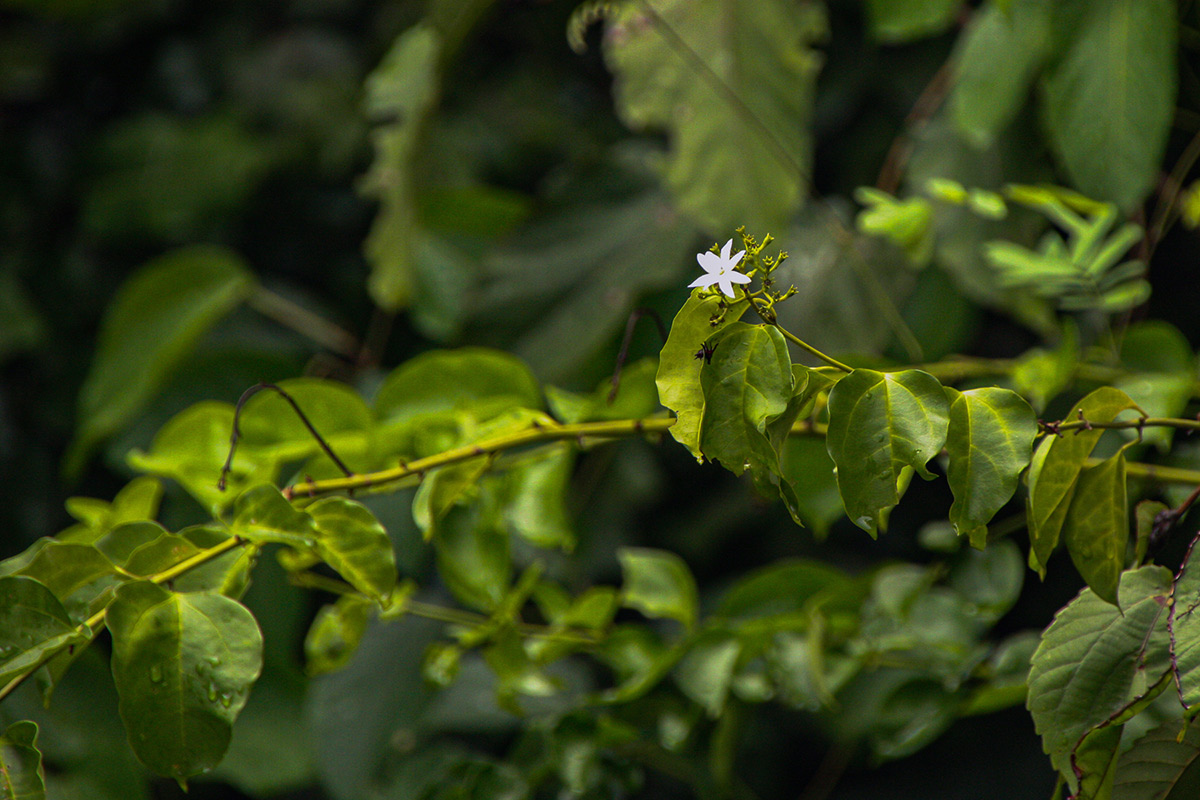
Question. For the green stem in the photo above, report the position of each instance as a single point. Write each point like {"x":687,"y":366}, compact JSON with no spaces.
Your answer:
{"x":93,"y":622}
{"x":305,"y":322}
{"x":803,"y":345}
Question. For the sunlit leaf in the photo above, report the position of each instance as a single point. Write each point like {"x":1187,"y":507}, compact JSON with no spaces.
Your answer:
{"x":678,"y":376}
{"x":658,"y":584}
{"x":351,"y":540}
{"x":262,"y":514}
{"x":183,"y":664}
{"x":990,"y":442}
{"x":1055,"y":468}
{"x":880,"y":423}
{"x":149,"y":328}
{"x":1096,"y":659}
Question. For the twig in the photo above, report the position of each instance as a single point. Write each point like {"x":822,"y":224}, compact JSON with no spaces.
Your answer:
{"x":236,"y":434}
{"x":303,"y":321}
{"x":637,"y":314}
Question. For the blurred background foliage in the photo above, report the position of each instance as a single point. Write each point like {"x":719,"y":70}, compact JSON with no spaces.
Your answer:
{"x":329,"y":187}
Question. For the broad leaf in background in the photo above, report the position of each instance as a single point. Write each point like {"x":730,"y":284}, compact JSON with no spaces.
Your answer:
{"x":990,"y":441}
{"x":1121,"y":59}
{"x":473,"y":551}
{"x":183,"y":664}
{"x":997,"y":61}
{"x":1055,"y":467}
{"x":897,"y":21}
{"x":21,"y":776}
{"x":1164,"y":375}
{"x":747,"y":384}
{"x":1162,"y":765}
{"x":401,"y":94}
{"x":335,"y":634}
{"x":658,"y":584}
{"x":1096,"y":530}
{"x":678,"y":376}
{"x":880,"y":423}
{"x":715,"y":73}
{"x":1096,"y":660}
{"x":137,"y":500}
{"x":636,"y":398}
{"x":151,"y":325}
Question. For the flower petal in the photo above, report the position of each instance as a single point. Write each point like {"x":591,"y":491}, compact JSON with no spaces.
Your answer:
{"x":725,"y":250}
{"x":737,"y":277}
{"x":709,"y":262}
{"x":733,"y":262}
{"x":726,"y":285}
{"x":704,"y":281}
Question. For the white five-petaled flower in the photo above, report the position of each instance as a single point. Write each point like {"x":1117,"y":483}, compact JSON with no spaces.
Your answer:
{"x":719,"y":269}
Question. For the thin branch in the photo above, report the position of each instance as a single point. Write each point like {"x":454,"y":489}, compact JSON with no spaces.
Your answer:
{"x":300,"y":319}
{"x":1170,"y":193}
{"x":637,"y":314}
{"x":236,"y":434}
{"x":927,"y":103}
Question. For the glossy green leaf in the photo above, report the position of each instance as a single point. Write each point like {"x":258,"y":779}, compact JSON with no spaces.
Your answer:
{"x":905,"y":20}
{"x":151,"y":325}
{"x":658,"y":584}
{"x":989,"y":442}
{"x":191,"y":448}
{"x":1096,"y":529}
{"x":473,"y":554}
{"x":76,"y":574}
{"x":1096,"y":660}
{"x":335,"y":634}
{"x":137,"y":500}
{"x":443,"y":489}
{"x":1185,"y":630}
{"x":755,"y":51}
{"x":997,"y":61}
{"x":401,"y":96}
{"x":183,"y":664}
{"x":536,"y":499}
{"x":1054,"y":471}
{"x":1122,"y":59}
{"x":262,"y":514}
{"x":272,"y":431}
{"x":351,"y":540}
{"x":747,"y":384}
{"x":445,"y":380}
{"x":1162,"y":765}
{"x":21,"y":776}
{"x":33,"y":624}
{"x":880,"y":423}
{"x":678,"y":376}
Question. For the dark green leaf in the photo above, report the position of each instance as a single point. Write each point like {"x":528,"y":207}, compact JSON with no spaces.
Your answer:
{"x":183,"y":664}
{"x":754,"y":52}
{"x":880,"y":423}
{"x":658,"y":584}
{"x":1144,"y":514}
{"x":1055,"y":469}
{"x":1096,"y":529}
{"x":76,"y":574}
{"x":33,"y":625}
{"x":152,"y":324}
{"x":401,"y":95}
{"x":1185,"y":630}
{"x":747,"y":385}
{"x":1095,"y":761}
{"x":807,"y":468}
{"x":991,"y":579}
{"x":351,"y":540}
{"x":1162,"y":765}
{"x":678,"y":376}
{"x":1096,"y":660}
{"x":21,"y":776}
{"x":1121,"y":59}
{"x":990,"y":442}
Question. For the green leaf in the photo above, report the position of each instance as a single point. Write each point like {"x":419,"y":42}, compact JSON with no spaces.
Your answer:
{"x":137,"y":500}
{"x":805,"y":465}
{"x":897,"y":21}
{"x":33,"y":624}
{"x":1095,"y":761}
{"x":1039,"y":375}
{"x":678,"y":66}
{"x":183,"y":664}
{"x":990,"y":579}
{"x":21,"y":776}
{"x":997,"y":60}
{"x":262,"y":514}
{"x":1184,"y":624}
{"x":443,"y":489}
{"x":990,"y":442}
{"x":637,"y":397}
{"x":1144,"y":514}
{"x":473,"y":553}
{"x":1121,"y":59}
{"x":150,"y":327}
{"x":747,"y":384}
{"x":880,"y":423}
{"x":401,"y":96}
{"x":536,"y":499}
{"x":1096,"y":529}
{"x":658,"y":584}
{"x":352,"y":541}
{"x":1096,"y":660}
{"x":1054,"y":471}
{"x":678,"y":376}
{"x":77,"y":574}
{"x":272,"y":431}
{"x":706,"y":672}
{"x":1162,"y":765}
{"x":335,"y":634}
{"x":786,"y":587}
{"x":449,"y":380}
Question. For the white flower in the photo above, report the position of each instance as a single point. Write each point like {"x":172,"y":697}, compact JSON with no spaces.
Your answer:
{"x":720,"y":270}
